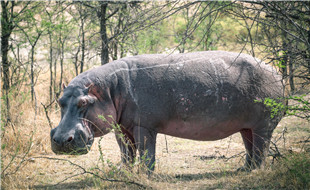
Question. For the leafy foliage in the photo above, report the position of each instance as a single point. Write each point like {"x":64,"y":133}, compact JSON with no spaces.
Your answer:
{"x":299,"y":106}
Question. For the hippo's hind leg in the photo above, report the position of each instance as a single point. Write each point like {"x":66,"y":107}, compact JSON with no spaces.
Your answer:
{"x":257,"y":144}
{"x":261,"y":141}
{"x":146,"y":141}
{"x":247,"y":136}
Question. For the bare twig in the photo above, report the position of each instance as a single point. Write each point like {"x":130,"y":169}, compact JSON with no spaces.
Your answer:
{"x":304,"y":142}
{"x":235,"y":156}
{"x":221,"y":156}
{"x":166,"y":143}
{"x":46,"y":112}
{"x":276,"y":153}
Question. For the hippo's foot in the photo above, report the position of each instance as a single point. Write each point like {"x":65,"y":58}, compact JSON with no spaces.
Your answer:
{"x":244,"y":169}
{"x":124,"y":167}
{"x":145,"y":170}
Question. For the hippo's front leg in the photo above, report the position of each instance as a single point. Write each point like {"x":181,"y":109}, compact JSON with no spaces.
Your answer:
{"x":146,"y":143}
{"x":127,"y":147}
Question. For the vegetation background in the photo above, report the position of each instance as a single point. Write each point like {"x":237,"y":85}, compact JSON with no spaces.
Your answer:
{"x":45,"y":44}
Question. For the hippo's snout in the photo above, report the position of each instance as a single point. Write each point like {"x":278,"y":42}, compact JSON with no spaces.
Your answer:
{"x":74,"y":142}
{"x":62,"y":141}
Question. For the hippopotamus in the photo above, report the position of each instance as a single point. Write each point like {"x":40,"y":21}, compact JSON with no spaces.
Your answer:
{"x":202,"y":96}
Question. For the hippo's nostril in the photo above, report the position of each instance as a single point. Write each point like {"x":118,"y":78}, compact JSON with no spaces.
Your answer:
{"x":56,"y":140}
{"x":70,"y":139}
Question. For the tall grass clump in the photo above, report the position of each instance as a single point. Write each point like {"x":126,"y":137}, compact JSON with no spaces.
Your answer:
{"x":124,"y":175}
{"x":17,"y":141}
{"x":293,"y":171}
{"x":22,"y":137}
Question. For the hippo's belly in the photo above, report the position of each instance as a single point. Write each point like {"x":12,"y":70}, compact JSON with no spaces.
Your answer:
{"x":202,"y":130}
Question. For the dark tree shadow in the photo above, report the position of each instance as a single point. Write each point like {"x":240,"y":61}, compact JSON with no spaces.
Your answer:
{"x":78,"y":184}
{"x":193,"y":177}
{"x":206,"y":175}
{"x":89,"y":182}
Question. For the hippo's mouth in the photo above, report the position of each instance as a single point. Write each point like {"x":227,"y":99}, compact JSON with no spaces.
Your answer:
{"x":71,"y":150}
{"x":86,"y":124}
{"x":77,"y":145}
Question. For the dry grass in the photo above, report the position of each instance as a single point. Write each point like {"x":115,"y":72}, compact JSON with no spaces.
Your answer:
{"x":185,"y":165}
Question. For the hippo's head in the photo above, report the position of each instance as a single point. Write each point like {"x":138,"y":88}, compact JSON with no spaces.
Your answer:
{"x":76,"y":130}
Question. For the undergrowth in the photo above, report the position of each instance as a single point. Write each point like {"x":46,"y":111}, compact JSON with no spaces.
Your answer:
{"x":292,"y":171}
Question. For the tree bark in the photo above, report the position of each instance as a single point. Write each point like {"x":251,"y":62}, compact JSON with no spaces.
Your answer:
{"x":103,"y":33}
{"x":50,"y":34}
{"x":51,"y":66}
{"x":62,"y":49}
{"x":76,"y":58}
{"x":308,"y":53}
{"x":6,"y":30}
{"x":32,"y":63}
{"x":83,"y":44}
{"x":114,"y":54}
{"x":291,"y":76}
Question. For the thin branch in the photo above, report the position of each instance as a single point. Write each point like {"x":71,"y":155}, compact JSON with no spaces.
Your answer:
{"x":46,"y":113}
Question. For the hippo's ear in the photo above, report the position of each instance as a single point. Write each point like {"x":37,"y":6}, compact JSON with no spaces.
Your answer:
{"x":91,"y":91}
{"x":63,"y":86}
{"x":88,"y":88}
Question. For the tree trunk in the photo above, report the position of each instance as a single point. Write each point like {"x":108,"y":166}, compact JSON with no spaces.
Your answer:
{"x":285,"y":60}
{"x":308,"y":53}
{"x":83,"y":45}
{"x":76,"y":58}
{"x":288,"y":59}
{"x":62,"y":42}
{"x":55,"y":71}
{"x":114,"y":51}
{"x":51,"y":66}
{"x":103,"y":33}
{"x":291,"y":76}
{"x":32,"y":73}
{"x":32,"y":64}
{"x":6,"y":30}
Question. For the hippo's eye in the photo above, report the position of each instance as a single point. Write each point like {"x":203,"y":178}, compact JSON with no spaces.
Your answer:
{"x":82,"y":102}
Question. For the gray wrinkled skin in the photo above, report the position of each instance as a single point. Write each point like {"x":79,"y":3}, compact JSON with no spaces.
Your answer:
{"x":200,"y":96}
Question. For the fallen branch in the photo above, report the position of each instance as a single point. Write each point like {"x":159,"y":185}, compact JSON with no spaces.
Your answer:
{"x":220,"y":156}
{"x":85,"y":171}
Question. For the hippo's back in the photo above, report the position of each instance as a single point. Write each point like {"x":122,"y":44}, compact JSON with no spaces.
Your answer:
{"x":220,"y":72}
